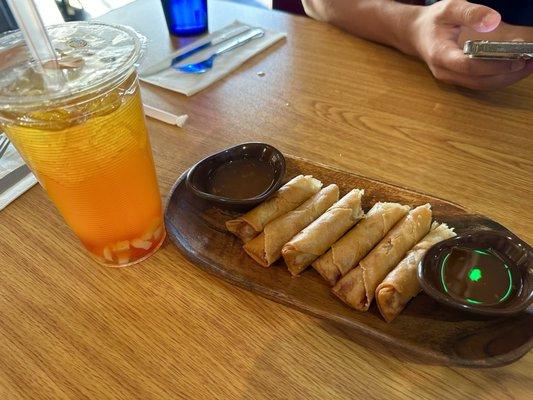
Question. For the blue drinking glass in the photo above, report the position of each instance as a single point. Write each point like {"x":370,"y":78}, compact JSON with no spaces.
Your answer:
{"x":185,"y":17}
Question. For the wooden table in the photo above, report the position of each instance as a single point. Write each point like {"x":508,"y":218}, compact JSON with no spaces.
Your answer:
{"x":166,"y":330}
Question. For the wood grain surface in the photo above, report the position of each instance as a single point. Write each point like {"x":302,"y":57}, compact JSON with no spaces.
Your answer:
{"x":165,"y":329}
{"x":424,"y":330}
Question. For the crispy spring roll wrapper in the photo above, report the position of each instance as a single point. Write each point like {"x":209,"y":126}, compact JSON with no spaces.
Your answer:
{"x":357,"y":287}
{"x":352,"y":247}
{"x":287,"y":198}
{"x":266,"y":248}
{"x":317,"y":238}
{"x":401,"y":284}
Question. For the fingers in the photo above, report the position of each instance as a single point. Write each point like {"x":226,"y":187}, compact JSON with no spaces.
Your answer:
{"x":477,"y":17}
{"x":453,"y":59}
{"x":491,"y":82}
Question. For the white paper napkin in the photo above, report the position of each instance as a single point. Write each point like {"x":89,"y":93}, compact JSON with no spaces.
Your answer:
{"x":190,"y":84}
{"x":10,"y":161}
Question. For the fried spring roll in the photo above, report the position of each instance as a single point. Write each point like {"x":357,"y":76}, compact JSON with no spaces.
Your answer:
{"x":357,"y":287}
{"x":401,"y":284}
{"x":266,"y":248}
{"x":317,"y":238}
{"x":352,"y":247}
{"x":287,"y":198}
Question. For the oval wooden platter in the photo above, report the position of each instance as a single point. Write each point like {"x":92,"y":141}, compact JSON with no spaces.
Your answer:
{"x":425,"y":329}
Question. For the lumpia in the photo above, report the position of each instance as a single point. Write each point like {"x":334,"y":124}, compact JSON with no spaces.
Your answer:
{"x":358,"y":286}
{"x":266,"y":248}
{"x":401,"y":284}
{"x":352,"y":247}
{"x":316,"y":239}
{"x":287,"y":198}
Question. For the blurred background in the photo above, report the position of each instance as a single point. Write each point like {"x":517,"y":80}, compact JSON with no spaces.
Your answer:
{"x":57,"y":11}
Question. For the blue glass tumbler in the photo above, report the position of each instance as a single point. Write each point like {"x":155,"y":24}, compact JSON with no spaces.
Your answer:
{"x":185,"y":17}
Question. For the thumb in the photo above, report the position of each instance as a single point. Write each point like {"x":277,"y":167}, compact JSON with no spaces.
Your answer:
{"x":475,"y":16}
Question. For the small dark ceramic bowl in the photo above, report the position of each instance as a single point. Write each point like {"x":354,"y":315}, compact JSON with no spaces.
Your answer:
{"x":199,"y":175}
{"x":516,"y":253}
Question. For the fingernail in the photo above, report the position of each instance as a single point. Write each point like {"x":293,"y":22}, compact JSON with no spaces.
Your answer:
{"x":517,"y":65}
{"x":490,"y":20}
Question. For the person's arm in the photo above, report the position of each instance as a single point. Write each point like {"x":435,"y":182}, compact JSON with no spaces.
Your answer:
{"x":383,"y":21}
{"x":431,"y":33}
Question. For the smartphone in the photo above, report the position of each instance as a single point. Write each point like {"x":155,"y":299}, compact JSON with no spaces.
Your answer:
{"x":498,"y":50}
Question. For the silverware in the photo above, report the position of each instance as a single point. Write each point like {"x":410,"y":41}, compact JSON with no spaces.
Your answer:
{"x":13,"y":177}
{"x":4,"y":144}
{"x":171,"y":61}
{"x":202,"y":66}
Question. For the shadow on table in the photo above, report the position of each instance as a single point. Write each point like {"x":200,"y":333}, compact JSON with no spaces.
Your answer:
{"x":410,"y":68}
{"x":498,"y":98}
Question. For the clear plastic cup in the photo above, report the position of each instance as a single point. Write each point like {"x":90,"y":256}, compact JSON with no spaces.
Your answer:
{"x":87,"y":142}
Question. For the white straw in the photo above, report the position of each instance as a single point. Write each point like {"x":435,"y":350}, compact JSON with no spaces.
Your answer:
{"x":36,"y":38}
{"x":165,"y":116}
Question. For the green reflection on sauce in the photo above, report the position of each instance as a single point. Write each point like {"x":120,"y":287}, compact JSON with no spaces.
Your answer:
{"x":506,"y":295}
{"x":475,"y":274}
{"x":442,"y":267}
{"x":482,"y":252}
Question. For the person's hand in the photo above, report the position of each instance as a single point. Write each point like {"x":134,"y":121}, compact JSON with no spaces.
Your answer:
{"x":435,"y":38}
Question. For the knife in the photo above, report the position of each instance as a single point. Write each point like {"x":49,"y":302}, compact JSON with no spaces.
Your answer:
{"x":170,"y":61}
{"x":13,"y":177}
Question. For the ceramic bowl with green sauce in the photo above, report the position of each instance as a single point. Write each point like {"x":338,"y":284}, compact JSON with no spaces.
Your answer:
{"x":484,"y":272}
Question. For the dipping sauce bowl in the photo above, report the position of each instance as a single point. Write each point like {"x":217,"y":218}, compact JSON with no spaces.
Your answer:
{"x":484,"y":272}
{"x":239,"y":177}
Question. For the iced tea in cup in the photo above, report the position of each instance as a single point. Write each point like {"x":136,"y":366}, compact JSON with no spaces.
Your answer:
{"x":86,"y":142}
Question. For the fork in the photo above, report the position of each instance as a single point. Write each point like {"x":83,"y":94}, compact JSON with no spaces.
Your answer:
{"x":205,"y":65}
{"x":4,"y":144}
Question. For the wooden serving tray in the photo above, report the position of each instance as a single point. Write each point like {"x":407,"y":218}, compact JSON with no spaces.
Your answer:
{"x":425,"y":329}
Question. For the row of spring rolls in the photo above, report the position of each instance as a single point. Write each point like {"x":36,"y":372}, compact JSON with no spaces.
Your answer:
{"x":299,"y":223}
{"x":308,"y":225}
{"x":389,"y":271}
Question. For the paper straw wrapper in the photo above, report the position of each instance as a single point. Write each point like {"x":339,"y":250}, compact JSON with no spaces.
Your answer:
{"x":166,"y":117}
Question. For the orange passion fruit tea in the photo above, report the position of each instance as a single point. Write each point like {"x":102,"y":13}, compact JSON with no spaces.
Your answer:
{"x":87,"y":143}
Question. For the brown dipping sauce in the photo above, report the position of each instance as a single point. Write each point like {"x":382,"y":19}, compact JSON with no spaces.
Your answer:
{"x":477,"y":276}
{"x":241,"y":179}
